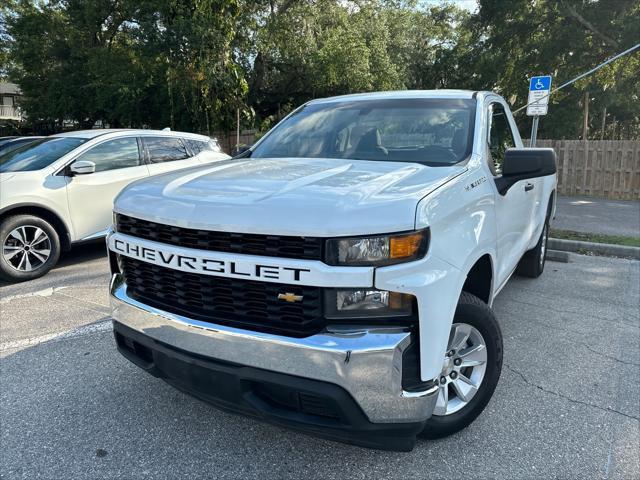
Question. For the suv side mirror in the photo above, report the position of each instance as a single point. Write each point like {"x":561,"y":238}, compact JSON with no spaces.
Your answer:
{"x":82,"y":167}
{"x":522,"y":163}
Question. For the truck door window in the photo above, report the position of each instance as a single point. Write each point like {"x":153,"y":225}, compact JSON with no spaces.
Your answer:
{"x":500,"y":138}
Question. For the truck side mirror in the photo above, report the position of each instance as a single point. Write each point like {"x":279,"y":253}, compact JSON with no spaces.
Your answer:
{"x":82,"y":167}
{"x":239,"y":150}
{"x":522,"y":163}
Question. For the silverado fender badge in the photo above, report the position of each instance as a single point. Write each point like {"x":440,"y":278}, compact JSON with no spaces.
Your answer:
{"x":475,"y":183}
{"x":290,"y":297}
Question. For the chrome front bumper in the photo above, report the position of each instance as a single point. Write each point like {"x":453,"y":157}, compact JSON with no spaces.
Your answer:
{"x":366,"y":362}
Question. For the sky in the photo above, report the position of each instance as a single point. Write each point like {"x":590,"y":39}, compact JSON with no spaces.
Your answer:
{"x":470,"y":5}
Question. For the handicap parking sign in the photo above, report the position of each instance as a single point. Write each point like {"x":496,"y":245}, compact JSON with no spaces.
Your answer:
{"x":540,"y":83}
{"x":539,"y":90}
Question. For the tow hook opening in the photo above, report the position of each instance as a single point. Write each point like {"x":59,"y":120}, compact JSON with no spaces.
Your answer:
{"x":136,"y":351}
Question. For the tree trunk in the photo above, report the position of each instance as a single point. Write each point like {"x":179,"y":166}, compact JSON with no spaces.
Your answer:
{"x":613,"y":130}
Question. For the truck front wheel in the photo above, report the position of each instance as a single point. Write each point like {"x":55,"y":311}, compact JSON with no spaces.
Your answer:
{"x":471,"y":368}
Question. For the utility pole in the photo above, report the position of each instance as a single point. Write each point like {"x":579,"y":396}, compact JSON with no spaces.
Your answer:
{"x":585,"y":125}
{"x":237,"y":128}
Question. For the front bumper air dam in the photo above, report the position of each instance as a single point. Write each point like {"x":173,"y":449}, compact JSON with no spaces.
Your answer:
{"x":343,"y":386}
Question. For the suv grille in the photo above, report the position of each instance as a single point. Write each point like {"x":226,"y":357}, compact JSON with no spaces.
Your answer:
{"x":227,"y":301}
{"x":304,"y":248}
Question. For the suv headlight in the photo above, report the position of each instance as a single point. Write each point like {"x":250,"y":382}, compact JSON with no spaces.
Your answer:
{"x":377,"y":250}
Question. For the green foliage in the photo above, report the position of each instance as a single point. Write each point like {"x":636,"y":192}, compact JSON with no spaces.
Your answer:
{"x":595,"y":237}
{"x":193,"y":64}
{"x":520,"y":38}
{"x":126,"y":63}
{"x":321,"y":48}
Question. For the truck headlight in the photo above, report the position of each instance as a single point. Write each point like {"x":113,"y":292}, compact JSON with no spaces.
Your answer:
{"x":367,"y":303}
{"x":377,"y":250}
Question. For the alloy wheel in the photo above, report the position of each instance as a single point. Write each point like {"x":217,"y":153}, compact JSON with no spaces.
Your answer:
{"x":26,"y":248}
{"x":543,"y":247}
{"x":463,"y":370}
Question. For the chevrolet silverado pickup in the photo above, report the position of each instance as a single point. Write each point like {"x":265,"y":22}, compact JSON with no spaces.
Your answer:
{"x":337,"y":277}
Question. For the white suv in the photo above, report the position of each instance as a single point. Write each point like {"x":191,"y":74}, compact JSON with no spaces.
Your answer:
{"x":59,"y":190}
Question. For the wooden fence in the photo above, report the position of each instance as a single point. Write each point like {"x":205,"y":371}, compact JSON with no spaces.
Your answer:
{"x":597,"y":168}
{"x":227,"y":140}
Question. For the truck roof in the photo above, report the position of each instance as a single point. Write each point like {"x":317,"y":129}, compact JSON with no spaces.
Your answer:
{"x":443,"y":93}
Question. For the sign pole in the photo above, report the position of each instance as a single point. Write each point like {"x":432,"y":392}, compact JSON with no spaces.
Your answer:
{"x":534,"y":131}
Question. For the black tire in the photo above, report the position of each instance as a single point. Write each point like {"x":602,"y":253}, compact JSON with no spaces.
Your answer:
{"x":10,"y":268}
{"x":532,"y":262}
{"x":472,"y":311}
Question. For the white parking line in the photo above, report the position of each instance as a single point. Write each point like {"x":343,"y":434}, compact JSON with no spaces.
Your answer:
{"x":101,"y":326}
{"x":47,"y":292}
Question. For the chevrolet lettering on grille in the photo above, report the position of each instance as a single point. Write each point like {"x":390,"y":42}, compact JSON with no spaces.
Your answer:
{"x":239,"y":266}
{"x":207,"y":265}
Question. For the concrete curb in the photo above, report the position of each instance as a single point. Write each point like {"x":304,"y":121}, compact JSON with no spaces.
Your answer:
{"x":599,"y":248}
{"x":557,"y":256}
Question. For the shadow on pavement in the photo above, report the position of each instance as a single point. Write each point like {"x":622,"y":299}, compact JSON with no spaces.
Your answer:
{"x":83,"y":253}
{"x":70,"y":264}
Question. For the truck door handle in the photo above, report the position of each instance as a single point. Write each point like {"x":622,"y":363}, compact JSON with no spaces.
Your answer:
{"x":528,"y":186}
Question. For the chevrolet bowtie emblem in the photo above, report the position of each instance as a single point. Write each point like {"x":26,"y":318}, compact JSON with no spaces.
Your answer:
{"x":290,"y":297}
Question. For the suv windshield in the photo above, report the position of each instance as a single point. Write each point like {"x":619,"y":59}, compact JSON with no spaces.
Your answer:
{"x":430,"y":131}
{"x":39,"y":154}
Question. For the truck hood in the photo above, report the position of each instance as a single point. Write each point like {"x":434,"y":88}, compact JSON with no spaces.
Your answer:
{"x":288,"y":196}
{"x":4,"y":176}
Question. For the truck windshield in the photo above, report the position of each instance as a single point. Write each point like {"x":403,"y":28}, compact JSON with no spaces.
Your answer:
{"x":435,"y":132}
{"x":38,"y":154}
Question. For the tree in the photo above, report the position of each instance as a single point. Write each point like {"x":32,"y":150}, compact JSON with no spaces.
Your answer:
{"x":193,"y":65}
{"x":521,"y":38}
{"x":310,"y":49}
{"x":126,"y":63}
{"x":193,"y":42}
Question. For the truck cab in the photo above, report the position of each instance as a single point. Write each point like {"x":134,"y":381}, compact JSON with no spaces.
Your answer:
{"x":338,"y":276}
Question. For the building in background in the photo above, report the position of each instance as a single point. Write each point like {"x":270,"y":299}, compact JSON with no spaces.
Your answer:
{"x":9,"y":102}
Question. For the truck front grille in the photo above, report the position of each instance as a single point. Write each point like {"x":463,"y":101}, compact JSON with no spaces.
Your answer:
{"x":244,"y":304}
{"x":303,"y":248}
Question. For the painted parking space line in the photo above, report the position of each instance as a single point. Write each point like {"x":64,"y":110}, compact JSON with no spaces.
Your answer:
{"x":46,"y":292}
{"x":103,"y":325}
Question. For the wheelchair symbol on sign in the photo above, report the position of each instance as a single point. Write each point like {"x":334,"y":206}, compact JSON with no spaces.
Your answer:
{"x":539,"y":85}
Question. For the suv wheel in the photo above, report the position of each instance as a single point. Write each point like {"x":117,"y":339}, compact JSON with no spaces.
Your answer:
{"x":471,"y":368}
{"x":30,"y":247}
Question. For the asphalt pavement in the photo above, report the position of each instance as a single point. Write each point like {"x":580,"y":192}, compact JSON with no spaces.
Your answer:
{"x":567,"y":405}
{"x":598,"y":215}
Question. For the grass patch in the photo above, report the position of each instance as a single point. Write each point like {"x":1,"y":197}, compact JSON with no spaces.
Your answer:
{"x":595,"y":237}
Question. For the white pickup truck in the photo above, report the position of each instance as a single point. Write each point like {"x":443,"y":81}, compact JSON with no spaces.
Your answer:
{"x":338,"y":276}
